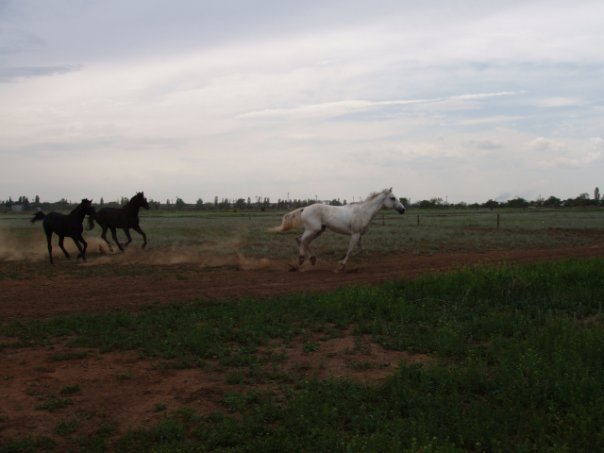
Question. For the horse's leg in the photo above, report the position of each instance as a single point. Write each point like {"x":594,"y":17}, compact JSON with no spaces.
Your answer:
{"x":84,"y":247}
{"x":104,"y":236}
{"x":61,"y":239}
{"x":79,"y":247}
{"x":114,"y":235}
{"x":359,"y":247}
{"x":354,"y":243}
{"x":49,"y":241}
{"x":127,"y":232}
{"x":315,"y":235}
{"x":304,"y":245}
{"x":139,"y":230}
{"x":300,"y":250}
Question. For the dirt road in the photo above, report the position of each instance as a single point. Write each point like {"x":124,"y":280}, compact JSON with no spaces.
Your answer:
{"x":50,"y":294}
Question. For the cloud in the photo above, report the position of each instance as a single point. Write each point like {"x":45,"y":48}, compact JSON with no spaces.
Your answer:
{"x":544,"y":144}
{"x":574,"y":153}
{"x":8,"y":74}
{"x":328,"y":109}
{"x":220,"y":98}
{"x":555,"y":102}
{"x":13,"y":40}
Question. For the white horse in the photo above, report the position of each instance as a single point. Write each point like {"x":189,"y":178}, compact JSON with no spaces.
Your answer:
{"x":352,"y":219}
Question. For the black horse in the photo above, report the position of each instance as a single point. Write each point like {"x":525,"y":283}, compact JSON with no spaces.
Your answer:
{"x":124,"y":218}
{"x":69,"y":225}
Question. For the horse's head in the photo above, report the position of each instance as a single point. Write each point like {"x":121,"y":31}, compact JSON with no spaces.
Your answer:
{"x":141,"y":200}
{"x":89,"y":211}
{"x":391,"y":201}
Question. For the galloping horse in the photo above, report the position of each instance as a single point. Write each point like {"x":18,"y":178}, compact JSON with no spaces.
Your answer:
{"x":124,"y":218}
{"x":69,"y":225}
{"x":352,"y":219}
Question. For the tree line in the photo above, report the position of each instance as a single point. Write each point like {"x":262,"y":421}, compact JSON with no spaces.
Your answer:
{"x":258,"y":203}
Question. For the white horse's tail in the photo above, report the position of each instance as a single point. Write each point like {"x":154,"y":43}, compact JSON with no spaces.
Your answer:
{"x":290,"y":220}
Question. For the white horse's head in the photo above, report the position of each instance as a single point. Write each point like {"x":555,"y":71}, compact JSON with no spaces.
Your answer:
{"x":391,"y":201}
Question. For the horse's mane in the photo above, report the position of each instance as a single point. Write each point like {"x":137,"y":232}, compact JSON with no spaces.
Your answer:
{"x":137,"y":195}
{"x":79,"y":207}
{"x":373,"y":195}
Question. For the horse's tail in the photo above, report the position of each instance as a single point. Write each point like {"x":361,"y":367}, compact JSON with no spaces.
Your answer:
{"x":290,"y":220}
{"x":38,"y":216}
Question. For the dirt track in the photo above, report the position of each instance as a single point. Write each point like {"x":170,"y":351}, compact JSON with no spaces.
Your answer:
{"x":61,"y":293}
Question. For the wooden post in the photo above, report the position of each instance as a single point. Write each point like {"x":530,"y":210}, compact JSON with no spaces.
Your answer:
{"x":498,"y":221}
{"x":418,"y":220}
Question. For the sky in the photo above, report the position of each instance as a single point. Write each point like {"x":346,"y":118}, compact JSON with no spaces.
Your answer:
{"x":460,"y":100}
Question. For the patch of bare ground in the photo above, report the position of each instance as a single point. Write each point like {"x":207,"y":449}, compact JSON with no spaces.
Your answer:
{"x":43,"y":388}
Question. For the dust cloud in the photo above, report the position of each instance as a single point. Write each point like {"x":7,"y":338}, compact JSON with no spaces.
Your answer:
{"x":223,"y":254}
{"x":220,"y":254}
{"x":15,"y":248}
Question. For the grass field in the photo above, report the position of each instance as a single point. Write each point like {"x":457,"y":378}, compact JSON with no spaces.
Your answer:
{"x":491,"y":358}
{"x":246,"y":233}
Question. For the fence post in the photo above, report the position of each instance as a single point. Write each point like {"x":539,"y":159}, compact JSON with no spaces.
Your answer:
{"x":498,"y":221}
{"x":418,"y":220}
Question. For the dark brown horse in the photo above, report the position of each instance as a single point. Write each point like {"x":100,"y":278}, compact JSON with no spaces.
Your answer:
{"x":69,"y":225}
{"x":125,"y":218}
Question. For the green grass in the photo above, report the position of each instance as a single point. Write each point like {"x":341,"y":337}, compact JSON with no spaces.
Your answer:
{"x":517,"y":364}
{"x":228,"y":234}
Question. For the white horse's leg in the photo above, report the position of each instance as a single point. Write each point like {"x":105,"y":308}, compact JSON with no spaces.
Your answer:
{"x":316,"y":234}
{"x":352,"y":246}
{"x":304,"y":245}
{"x":359,"y":247}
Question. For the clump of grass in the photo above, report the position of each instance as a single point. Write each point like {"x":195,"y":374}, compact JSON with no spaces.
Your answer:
{"x":70,"y":389}
{"x":54,"y":404}
{"x":68,"y":355}
{"x":66,"y":428}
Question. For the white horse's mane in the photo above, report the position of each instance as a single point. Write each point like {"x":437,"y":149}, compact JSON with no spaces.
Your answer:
{"x":371,"y":196}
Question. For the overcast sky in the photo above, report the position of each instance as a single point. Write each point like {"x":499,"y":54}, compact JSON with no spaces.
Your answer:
{"x":334,"y":99}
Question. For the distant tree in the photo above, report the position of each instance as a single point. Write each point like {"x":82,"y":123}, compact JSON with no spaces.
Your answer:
{"x":24,"y":201}
{"x":491,"y":204}
{"x":216,"y":201}
{"x":517,"y":202}
{"x":597,"y":194}
{"x":180,"y":204}
{"x":581,"y":200}
{"x":240,"y":203}
{"x":102,"y":202}
{"x":63,"y":203}
{"x":199,"y":204}
{"x":37,"y":200}
{"x":552,"y":202}
{"x":431,"y":203}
